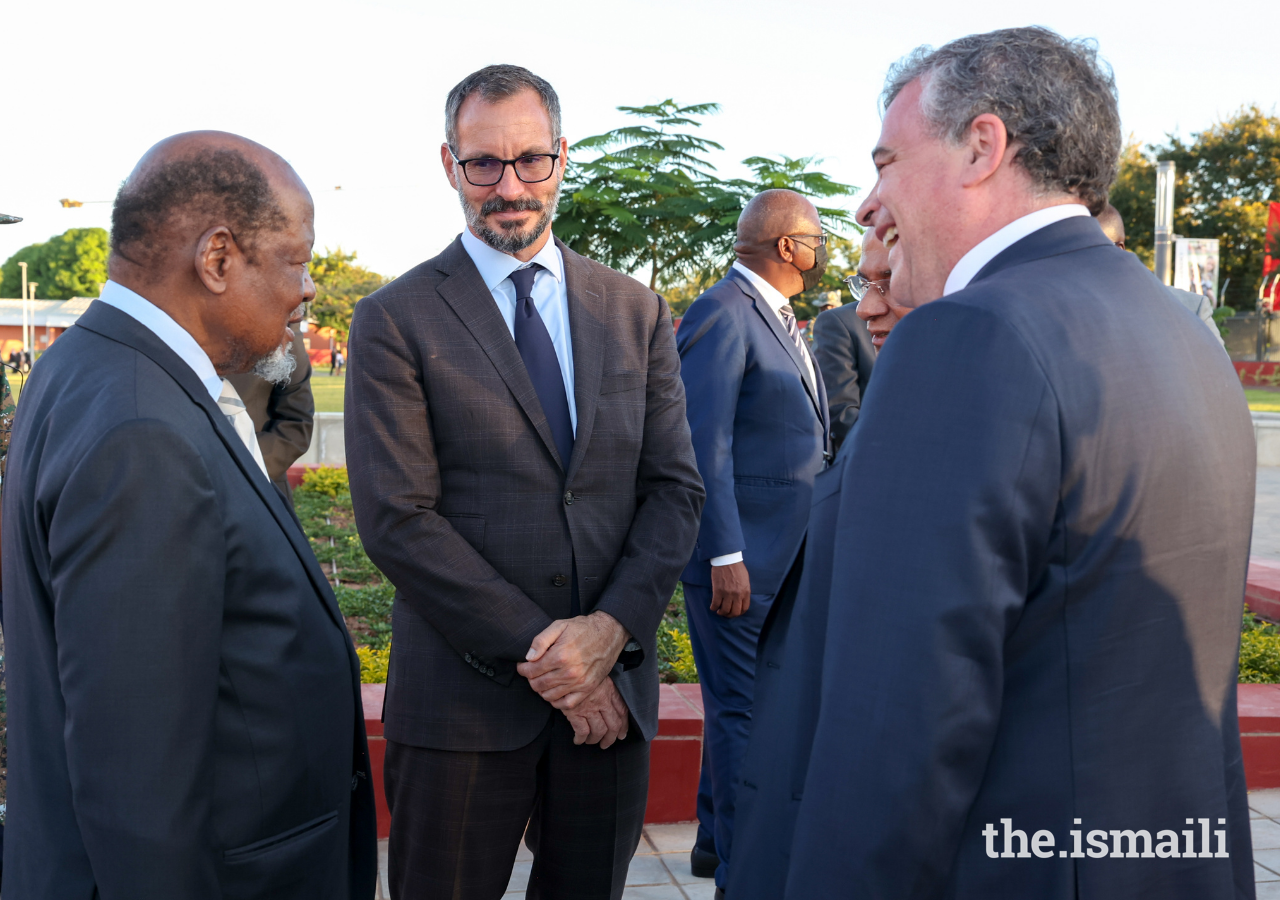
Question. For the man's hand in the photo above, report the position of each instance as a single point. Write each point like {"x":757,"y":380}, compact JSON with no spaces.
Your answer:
{"x":730,"y":589}
{"x":601,"y":718}
{"x":570,"y":658}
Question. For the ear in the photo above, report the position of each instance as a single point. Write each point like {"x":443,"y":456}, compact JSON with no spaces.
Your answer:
{"x":450,"y":167}
{"x":217,"y":253}
{"x":786,"y":248}
{"x":986,"y":146}
{"x":564,"y":153}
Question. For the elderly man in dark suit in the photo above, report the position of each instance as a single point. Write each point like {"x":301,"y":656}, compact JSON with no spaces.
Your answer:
{"x":758,"y":414}
{"x":283,"y":414}
{"x":1034,"y":580}
{"x":842,"y":344}
{"x":184,"y":699}
{"x":521,"y":470}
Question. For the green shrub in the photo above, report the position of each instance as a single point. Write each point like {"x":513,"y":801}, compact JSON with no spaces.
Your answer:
{"x":675,"y":653}
{"x":328,"y":480}
{"x":1259,"y":651}
{"x":373,"y":665}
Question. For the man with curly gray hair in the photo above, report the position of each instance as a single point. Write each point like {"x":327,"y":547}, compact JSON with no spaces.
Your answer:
{"x":1010,"y":668}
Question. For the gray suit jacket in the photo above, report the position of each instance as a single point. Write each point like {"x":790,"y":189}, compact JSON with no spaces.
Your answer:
{"x":1024,"y":604}
{"x":842,"y":346}
{"x":283,"y":416}
{"x":184,"y":700}
{"x":464,"y":504}
{"x":1202,"y":306}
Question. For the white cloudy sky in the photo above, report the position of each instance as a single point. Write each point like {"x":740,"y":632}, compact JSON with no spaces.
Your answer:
{"x":352,"y":92}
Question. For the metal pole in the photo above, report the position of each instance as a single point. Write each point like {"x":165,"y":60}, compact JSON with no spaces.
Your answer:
{"x":23,"y":266}
{"x":29,"y":334}
{"x":1166,"y":173}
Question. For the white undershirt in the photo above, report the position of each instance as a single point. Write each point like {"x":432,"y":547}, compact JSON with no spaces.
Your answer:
{"x":986,"y":250}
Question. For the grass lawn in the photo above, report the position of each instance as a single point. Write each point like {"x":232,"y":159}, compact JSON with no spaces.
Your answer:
{"x":328,"y":390}
{"x":1262,"y":400}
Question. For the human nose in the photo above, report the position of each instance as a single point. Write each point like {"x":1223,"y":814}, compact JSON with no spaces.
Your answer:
{"x":510,"y":186}
{"x":308,"y":287}
{"x":869,"y":207}
{"x":871,"y":305}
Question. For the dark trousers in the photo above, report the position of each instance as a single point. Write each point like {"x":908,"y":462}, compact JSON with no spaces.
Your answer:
{"x":725,"y":651}
{"x":457,"y":817}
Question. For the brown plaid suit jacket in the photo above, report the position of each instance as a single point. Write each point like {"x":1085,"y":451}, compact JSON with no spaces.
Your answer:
{"x":463,"y":502}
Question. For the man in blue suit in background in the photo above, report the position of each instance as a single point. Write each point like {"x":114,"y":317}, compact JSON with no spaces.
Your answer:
{"x":1010,"y":671}
{"x":758,"y":413}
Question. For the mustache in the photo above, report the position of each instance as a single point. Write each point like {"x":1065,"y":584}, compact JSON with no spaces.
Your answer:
{"x":524,"y":204}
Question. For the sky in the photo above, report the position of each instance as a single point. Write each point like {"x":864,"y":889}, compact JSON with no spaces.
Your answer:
{"x":352,"y":94}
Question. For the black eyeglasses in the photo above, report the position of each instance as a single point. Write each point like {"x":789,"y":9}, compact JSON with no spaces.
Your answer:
{"x":858,"y":286}
{"x":485,"y":171}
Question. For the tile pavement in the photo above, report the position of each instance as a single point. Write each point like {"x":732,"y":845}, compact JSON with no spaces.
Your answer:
{"x":659,"y":870}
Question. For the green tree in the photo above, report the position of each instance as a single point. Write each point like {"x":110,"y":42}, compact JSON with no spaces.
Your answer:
{"x":1227,"y":174}
{"x":340,"y":284}
{"x":68,"y":265}
{"x":652,"y":198}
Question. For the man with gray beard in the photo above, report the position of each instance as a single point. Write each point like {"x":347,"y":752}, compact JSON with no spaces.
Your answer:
{"x":521,"y":470}
{"x":184,"y":699}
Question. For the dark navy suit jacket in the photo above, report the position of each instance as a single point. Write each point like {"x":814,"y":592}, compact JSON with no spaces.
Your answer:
{"x":184,"y":699}
{"x":1037,"y":537}
{"x":759,"y":431}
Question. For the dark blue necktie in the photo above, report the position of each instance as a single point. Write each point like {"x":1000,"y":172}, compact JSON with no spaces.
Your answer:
{"x":540,"y":360}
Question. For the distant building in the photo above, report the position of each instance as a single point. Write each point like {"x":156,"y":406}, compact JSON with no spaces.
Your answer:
{"x":49,"y":318}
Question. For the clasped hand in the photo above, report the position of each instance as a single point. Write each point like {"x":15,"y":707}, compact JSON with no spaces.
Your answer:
{"x":568,"y":664}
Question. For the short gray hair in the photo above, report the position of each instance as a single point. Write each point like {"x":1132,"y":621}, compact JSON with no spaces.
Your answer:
{"x":1056,"y":98}
{"x":494,"y":83}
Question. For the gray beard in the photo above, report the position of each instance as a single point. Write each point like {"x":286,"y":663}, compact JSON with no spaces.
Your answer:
{"x":508,"y":241}
{"x":277,"y":366}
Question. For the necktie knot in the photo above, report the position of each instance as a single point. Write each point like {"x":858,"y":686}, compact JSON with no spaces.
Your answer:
{"x":523,"y":281}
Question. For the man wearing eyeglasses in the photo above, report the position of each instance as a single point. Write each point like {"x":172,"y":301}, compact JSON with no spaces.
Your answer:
{"x":842,"y":345}
{"x":521,"y":471}
{"x":758,"y":413}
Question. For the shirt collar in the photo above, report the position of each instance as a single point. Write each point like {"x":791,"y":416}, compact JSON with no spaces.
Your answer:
{"x":770,"y":294}
{"x":495,"y":266}
{"x":986,"y":250}
{"x":162,"y":325}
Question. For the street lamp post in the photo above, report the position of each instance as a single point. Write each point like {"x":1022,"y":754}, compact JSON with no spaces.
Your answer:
{"x":28,"y":336}
{"x":25,"y":292}
{"x":1165,"y":177}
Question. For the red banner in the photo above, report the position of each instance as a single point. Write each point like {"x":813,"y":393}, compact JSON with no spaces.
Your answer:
{"x":1271,"y":242}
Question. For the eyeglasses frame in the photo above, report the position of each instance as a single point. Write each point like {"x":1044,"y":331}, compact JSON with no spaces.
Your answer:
{"x":505,"y":162}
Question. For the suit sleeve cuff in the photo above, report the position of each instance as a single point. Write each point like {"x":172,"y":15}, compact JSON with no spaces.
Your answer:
{"x":727,"y":559}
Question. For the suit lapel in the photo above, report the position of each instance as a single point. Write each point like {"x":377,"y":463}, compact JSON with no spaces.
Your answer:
{"x":110,"y":322}
{"x":587,"y":335}
{"x":774,"y":324}
{"x":472,"y":301}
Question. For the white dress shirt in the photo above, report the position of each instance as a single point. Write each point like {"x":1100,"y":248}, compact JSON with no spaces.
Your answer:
{"x":180,"y":341}
{"x":162,"y":325}
{"x":775,"y":301}
{"x":550,"y":298}
{"x":986,"y":250}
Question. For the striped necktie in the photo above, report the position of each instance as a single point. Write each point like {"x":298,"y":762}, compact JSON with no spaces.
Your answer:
{"x":789,"y":322}
{"x":233,"y":408}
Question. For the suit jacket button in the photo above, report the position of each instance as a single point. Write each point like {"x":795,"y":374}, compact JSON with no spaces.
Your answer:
{"x":568,"y":498}
{"x":474,"y":664}
{"x":467,"y":657}
{"x":559,"y":581}
{"x":490,"y":673}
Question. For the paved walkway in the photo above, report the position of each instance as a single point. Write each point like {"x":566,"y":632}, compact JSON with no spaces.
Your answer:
{"x":659,"y":870}
{"x":1266,"y":514}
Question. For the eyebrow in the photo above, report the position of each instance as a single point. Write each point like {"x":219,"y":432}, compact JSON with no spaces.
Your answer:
{"x":880,"y":151}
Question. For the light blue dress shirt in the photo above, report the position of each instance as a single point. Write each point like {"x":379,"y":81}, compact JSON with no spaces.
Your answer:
{"x":550,"y":298}
{"x":162,"y":325}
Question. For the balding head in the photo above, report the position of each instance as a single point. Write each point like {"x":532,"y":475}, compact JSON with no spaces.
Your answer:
{"x":216,"y":231}
{"x":779,"y":239}
{"x":189,"y":183}
{"x":1112,"y":224}
{"x":776,"y":213}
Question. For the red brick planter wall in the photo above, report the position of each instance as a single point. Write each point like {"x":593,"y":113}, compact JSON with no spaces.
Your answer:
{"x":1258,"y":374}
